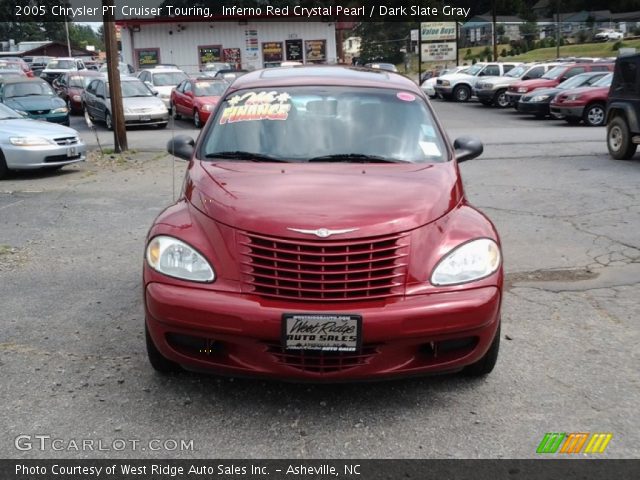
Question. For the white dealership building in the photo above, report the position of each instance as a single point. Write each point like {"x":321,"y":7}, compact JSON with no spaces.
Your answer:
{"x":245,"y":44}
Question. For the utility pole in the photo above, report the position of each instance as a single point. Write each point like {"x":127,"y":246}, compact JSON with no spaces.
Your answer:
{"x":66,"y":31}
{"x":557,"y":28}
{"x":494,"y":32}
{"x":113,"y":75}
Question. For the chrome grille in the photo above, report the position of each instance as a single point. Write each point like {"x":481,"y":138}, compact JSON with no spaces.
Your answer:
{"x":66,"y":140}
{"x":324,"y":270}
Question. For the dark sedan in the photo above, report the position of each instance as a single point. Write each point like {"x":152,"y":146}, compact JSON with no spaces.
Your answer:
{"x":537,"y":102}
{"x":33,"y":97}
{"x":69,"y":86}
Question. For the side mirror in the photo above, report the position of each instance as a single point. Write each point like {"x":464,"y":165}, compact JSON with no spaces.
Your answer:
{"x":182,"y":146}
{"x":467,"y":148}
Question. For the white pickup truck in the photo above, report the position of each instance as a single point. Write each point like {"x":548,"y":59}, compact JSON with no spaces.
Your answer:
{"x":459,"y":86}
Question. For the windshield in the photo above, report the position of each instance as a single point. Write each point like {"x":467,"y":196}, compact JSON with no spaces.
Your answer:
{"x":168,"y":78}
{"x":475,"y":69}
{"x":604,"y":81}
{"x":580,"y":80}
{"x":301,"y":124}
{"x":6,"y":113}
{"x":61,"y":65}
{"x":554,"y":73}
{"x":134,"y":88}
{"x":209,"y":89}
{"x":26,"y":89}
{"x":517,"y":72}
{"x":80,"y":82}
{"x":216,"y":66}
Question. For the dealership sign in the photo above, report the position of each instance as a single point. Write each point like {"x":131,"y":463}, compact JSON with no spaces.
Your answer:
{"x":436,"y":52}
{"x":437,"y":31}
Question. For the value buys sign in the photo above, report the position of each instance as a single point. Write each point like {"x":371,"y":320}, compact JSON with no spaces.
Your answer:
{"x":436,"y":52}
{"x":437,"y":31}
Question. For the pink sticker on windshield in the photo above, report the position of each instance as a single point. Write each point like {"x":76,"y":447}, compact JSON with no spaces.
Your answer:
{"x":406,"y":97}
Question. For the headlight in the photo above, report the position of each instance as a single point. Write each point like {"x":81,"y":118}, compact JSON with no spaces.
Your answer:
{"x":175,"y":258}
{"x":30,"y":141}
{"x":571,"y":98}
{"x":540,"y":98}
{"x":207,"y":107}
{"x":77,"y":98}
{"x":60,"y":110}
{"x":445,"y":83}
{"x":468,"y":262}
{"x":522,"y":90}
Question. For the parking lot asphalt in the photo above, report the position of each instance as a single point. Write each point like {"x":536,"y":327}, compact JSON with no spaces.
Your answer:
{"x":72,"y":351}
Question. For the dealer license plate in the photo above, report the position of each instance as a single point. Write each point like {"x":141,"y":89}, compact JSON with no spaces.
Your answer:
{"x":326,"y":332}
{"x":72,"y":152}
{"x":145,"y":119}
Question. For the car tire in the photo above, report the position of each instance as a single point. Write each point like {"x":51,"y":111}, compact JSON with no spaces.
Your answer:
{"x":594,"y":115}
{"x":174,"y":113}
{"x":3,"y":166}
{"x":107,"y":121}
{"x":462,"y":93}
{"x":485,"y":365}
{"x":196,"y":119}
{"x":619,"y":142}
{"x":500,"y":99}
{"x":159,"y":362}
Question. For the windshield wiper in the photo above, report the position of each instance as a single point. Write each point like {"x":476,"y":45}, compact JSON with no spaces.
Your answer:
{"x":240,"y":155}
{"x":355,"y":158}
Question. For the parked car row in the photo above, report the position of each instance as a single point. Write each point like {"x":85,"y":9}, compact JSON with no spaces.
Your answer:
{"x":540,"y":89}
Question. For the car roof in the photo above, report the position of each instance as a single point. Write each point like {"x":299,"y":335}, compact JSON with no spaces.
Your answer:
{"x":324,"y":75}
{"x":24,"y":80}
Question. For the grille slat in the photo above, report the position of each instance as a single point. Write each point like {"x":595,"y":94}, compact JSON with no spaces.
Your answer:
{"x":329,"y":270}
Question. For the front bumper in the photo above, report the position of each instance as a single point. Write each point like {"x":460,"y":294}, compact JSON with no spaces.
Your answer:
{"x":144,"y":119}
{"x":535,"y":108}
{"x":26,"y":158}
{"x":240,"y":334}
{"x":514,"y":98}
{"x":444,"y":91}
{"x":566,"y":111}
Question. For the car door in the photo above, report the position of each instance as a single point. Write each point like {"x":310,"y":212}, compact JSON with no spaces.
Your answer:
{"x":187,"y":99}
{"x":90,"y":98}
{"x":101,"y":101}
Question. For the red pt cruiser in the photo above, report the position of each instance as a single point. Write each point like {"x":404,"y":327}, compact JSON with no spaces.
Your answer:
{"x":323,"y":234}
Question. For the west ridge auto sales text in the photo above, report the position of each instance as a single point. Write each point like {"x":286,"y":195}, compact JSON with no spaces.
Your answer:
{"x":174,"y":471}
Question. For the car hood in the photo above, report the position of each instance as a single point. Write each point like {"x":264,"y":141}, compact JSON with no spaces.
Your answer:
{"x":456,"y":77}
{"x":24,"y":126}
{"x":493,"y":80}
{"x":143,"y":102}
{"x":375,"y":199}
{"x":536,"y":83}
{"x":587,"y":89}
{"x":44,"y":102}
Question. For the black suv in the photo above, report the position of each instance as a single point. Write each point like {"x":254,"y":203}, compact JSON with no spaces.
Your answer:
{"x":623,"y":108}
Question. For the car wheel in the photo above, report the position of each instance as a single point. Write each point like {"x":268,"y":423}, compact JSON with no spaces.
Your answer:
{"x":159,"y":362}
{"x":174,"y":113}
{"x":619,"y":142}
{"x":462,"y":93}
{"x":500,"y":99}
{"x":485,"y":365}
{"x":107,"y":121}
{"x":196,"y":119}
{"x":3,"y":166}
{"x":594,"y":115}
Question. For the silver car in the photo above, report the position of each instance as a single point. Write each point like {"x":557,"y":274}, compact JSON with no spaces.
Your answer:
{"x":141,"y":106}
{"x":31,"y":144}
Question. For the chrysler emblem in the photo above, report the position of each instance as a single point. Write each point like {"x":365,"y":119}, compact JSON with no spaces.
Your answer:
{"x":322,"y":232}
